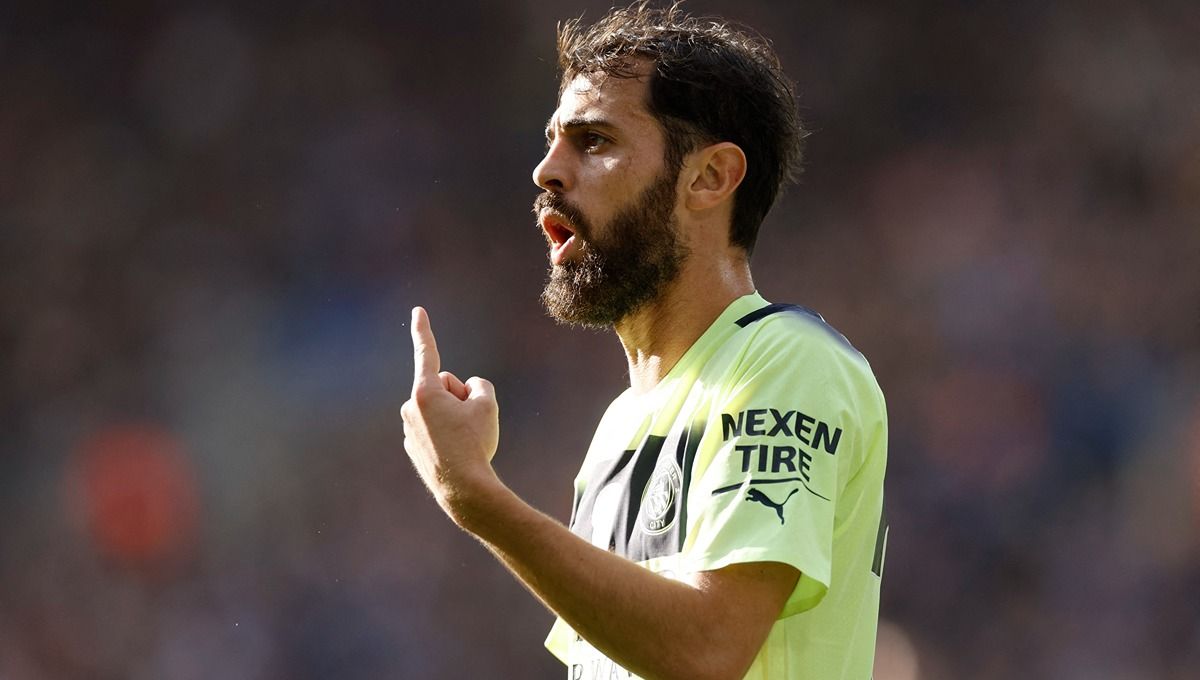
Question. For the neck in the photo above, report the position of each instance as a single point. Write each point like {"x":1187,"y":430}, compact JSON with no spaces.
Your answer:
{"x":658,"y":334}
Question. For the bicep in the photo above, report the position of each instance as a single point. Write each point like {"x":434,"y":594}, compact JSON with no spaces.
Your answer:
{"x":746,"y":598}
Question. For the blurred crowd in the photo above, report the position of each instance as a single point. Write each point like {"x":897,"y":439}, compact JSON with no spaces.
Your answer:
{"x":215,"y":217}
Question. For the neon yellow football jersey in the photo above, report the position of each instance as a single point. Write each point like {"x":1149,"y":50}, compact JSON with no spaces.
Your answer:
{"x":767,"y":441}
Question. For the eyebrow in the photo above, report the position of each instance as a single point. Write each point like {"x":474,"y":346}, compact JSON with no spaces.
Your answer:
{"x":577,"y":123}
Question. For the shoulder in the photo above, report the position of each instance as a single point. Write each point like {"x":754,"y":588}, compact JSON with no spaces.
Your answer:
{"x":787,"y":356}
{"x":791,"y":368}
{"x":785,"y":322}
{"x":792,"y":336}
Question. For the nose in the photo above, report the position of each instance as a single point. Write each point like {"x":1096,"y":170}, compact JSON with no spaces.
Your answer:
{"x":551,"y":174}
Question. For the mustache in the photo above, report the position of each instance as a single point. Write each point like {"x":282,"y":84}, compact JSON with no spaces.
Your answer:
{"x":549,"y":200}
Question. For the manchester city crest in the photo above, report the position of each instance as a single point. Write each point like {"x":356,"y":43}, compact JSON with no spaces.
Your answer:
{"x":659,"y":500}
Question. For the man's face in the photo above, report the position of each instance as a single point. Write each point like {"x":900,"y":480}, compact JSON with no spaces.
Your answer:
{"x":608,"y":210}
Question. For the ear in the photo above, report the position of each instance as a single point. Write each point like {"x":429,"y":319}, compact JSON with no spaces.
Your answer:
{"x":717,"y":172}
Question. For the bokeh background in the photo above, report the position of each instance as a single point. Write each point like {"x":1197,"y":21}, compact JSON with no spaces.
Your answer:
{"x":215,"y":217}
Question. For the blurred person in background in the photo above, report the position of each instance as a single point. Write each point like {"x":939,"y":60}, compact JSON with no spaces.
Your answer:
{"x":728,"y":517}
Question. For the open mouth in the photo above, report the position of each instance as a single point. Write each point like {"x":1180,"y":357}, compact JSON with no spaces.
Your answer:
{"x":560,"y":235}
{"x":557,"y":229}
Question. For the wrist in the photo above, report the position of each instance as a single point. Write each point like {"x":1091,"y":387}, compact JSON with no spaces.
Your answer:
{"x":473,"y":498}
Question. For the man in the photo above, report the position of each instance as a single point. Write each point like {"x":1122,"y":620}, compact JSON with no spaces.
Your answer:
{"x":727,"y":520}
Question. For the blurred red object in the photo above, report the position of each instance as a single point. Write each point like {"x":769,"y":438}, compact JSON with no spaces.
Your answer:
{"x":135,"y":491}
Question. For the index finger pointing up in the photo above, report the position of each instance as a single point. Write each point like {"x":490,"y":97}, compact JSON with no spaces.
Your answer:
{"x":426,"y":361}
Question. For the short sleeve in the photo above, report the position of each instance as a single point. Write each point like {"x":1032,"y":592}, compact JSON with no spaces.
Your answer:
{"x":766,"y":482}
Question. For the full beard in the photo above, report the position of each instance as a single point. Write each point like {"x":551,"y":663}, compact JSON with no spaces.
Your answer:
{"x":639,"y":253}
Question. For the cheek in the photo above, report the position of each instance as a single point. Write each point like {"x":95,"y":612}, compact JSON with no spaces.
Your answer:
{"x":617,"y":184}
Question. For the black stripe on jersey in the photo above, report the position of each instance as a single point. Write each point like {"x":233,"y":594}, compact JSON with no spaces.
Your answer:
{"x":648,"y":518}
{"x":581,"y":519}
{"x":774,"y":308}
{"x":764,"y":312}
{"x":735,"y":487}
{"x":880,"y":543}
{"x":686,"y":457}
{"x":639,"y":477}
{"x":618,"y":466}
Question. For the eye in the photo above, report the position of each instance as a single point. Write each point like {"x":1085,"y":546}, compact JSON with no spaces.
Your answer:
{"x":592,"y":141}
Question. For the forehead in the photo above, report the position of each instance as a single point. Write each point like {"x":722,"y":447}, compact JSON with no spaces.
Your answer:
{"x":618,"y":102}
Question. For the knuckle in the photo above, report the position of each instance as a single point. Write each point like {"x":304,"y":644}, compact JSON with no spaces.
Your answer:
{"x":421,"y":396}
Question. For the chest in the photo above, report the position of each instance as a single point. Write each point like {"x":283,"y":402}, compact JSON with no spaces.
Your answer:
{"x":634,"y":502}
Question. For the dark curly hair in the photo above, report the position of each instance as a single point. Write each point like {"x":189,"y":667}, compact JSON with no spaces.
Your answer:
{"x":710,"y":83}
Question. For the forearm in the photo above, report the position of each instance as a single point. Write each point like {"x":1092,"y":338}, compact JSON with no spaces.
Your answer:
{"x":710,"y":627}
{"x":651,"y":625}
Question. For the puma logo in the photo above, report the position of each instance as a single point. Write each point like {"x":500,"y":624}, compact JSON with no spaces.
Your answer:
{"x":760,"y":497}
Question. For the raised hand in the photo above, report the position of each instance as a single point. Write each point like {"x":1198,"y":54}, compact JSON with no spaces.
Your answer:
{"x":451,"y":427}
